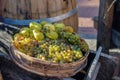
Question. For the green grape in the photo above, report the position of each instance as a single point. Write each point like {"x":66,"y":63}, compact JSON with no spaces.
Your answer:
{"x":70,"y":60}
{"x":58,"y":55}
{"x":78,"y":54}
{"x":83,"y":46}
{"x":43,"y":58}
{"x":73,"y":39}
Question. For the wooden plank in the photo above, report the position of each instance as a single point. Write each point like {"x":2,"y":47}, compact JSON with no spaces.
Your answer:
{"x":9,"y":9}
{"x":96,"y":71}
{"x":4,"y":8}
{"x":42,"y":8}
{"x":22,"y":9}
{"x":14,"y":9}
{"x":112,"y":58}
{"x":53,"y":8}
{"x":104,"y":25}
{"x":105,"y":55}
{"x":59,"y":8}
{"x":34,"y":9}
{"x":93,"y":65}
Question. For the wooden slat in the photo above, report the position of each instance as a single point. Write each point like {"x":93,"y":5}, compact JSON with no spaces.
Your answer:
{"x":60,"y":7}
{"x":14,"y":9}
{"x":52,"y":8}
{"x":96,"y":71}
{"x":22,"y":9}
{"x":93,"y":65}
{"x":42,"y":8}
{"x":74,"y":3}
{"x":34,"y":9}
{"x":70,"y":7}
{"x":3,"y":7}
{"x":9,"y":9}
{"x":64,"y":10}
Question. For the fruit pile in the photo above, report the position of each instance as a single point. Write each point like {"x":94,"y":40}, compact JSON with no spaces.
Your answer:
{"x":50,"y":42}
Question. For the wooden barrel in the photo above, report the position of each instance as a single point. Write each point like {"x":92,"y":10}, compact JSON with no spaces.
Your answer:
{"x":21,"y":12}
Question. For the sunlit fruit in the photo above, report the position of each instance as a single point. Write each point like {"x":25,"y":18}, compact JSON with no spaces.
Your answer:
{"x":31,"y":34}
{"x":49,"y":27}
{"x":18,"y":36}
{"x":34,"y":25}
{"x":59,"y":27}
{"x":52,"y":35}
{"x":38,"y":35}
{"x":25,"y":32}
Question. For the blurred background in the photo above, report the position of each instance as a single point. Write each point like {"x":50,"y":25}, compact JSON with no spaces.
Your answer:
{"x":87,"y":11}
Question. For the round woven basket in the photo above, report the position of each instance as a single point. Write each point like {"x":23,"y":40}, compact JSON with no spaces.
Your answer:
{"x":46,"y":68}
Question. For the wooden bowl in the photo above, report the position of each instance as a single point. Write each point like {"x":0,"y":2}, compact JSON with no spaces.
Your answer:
{"x":47,"y":68}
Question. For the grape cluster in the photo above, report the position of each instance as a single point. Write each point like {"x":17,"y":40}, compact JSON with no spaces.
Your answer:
{"x":59,"y":52}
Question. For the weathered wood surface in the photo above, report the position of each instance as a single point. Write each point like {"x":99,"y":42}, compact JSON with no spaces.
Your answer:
{"x":38,"y":9}
{"x":94,"y":64}
{"x":1,"y":76}
{"x":105,"y":24}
